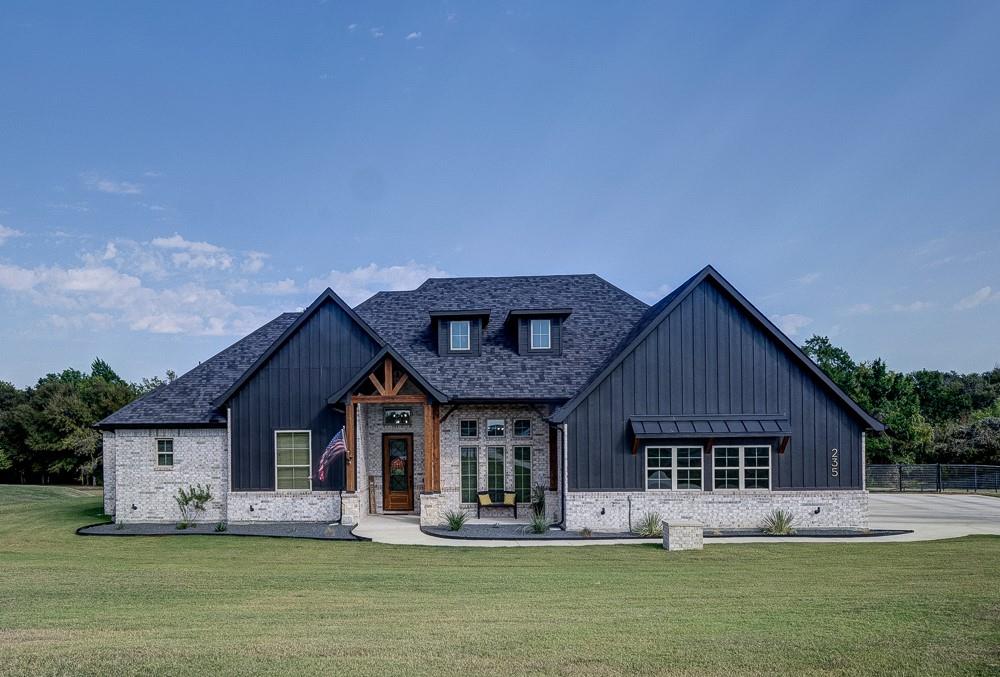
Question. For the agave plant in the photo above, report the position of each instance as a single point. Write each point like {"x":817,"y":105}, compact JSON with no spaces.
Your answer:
{"x":778,"y":523}
{"x":456,"y":519}
{"x":538,"y":523}
{"x":649,"y":525}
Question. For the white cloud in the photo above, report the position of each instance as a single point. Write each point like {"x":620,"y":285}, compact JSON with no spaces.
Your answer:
{"x":792,"y":323}
{"x":654,"y":295}
{"x":279,"y":288}
{"x":416,"y":35}
{"x":809,"y":278}
{"x":977,"y":298}
{"x":357,"y":285}
{"x":110,"y":251}
{"x":106,"y":185}
{"x":861,"y":309}
{"x":352,"y":27}
{"x":254,"y":262}
{"x":7,"y":233}
{"x":915,"y":307}
{"x":194,"y":254}
{"x":377,"y":32}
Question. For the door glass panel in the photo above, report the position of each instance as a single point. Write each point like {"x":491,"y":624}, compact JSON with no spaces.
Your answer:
{"x":398,"y":456}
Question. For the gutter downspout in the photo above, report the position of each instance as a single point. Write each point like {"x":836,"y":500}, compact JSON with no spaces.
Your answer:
{"x":229,"y":463}
{"x":565,"y":476}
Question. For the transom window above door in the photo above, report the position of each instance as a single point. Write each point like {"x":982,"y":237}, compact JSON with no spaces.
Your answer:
{"x":674,"y":468}
{"x":396,"y":417}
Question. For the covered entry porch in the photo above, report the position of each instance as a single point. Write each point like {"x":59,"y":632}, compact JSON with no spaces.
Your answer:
{"x":392,"y":436}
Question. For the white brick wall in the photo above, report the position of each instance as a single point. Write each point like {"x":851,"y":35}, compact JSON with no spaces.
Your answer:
{"x":200,"y":457}
{"x":609,"y":511}
{"x":452,"y":442}
{"x":108,"y":445}
{"x":284,"y":506}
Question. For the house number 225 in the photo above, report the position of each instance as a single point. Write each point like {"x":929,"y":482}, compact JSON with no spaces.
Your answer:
{"x":835,"y":462}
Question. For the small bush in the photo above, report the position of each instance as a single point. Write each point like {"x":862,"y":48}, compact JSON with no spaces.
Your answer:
{"x":586,"y":532}
{"x":649,"y":525}
{"x":220,"y":527}
{"x":778,"y":523}
{"x":456,"y":519}
{"x":538,"y":524}
{"x":538,"y":499}
{"x":191,"y":503}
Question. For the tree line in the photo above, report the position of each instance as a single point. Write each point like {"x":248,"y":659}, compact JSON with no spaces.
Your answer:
{"x":47,"y":433}
{"x":930,"y":416}
{"x":46,"y":430}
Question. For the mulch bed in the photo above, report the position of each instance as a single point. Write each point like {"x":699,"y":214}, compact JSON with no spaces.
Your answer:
{"x":315,"y":530}
{"x":517,"y":532}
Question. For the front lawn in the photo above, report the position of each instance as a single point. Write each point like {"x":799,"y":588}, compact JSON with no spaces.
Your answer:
{"x":193,"y":605}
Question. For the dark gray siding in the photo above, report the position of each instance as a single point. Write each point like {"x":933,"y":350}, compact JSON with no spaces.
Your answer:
{"x":444,"y":337}
{"x":709,"y":357}
{"x":524,"y":336}
{"x":290,"y":393}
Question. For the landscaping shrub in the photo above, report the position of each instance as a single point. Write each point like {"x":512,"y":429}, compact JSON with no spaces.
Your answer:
{"x":538,"y":524}
{"x":650,"y":525}
{"x":778,"y":523}
{"x":191,"y":504}
{"x":456,"y":519}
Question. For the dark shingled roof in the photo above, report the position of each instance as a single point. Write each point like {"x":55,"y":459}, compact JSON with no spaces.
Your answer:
{"x":188,"y":400}
{"x":602,"y":315}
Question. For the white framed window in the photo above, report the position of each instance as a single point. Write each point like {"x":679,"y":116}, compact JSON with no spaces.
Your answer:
{"x":165,"y":454}
{"x":674,"y":468}
{"x":293,"y":460}
{"x":469,"y":427}
{"x":459,"y":331}
{"x":522,"y":474}
{"x":470,"y":474}
{"x":496,"y":427}
{"x":541,"y":334}
{"x":741,"y":467}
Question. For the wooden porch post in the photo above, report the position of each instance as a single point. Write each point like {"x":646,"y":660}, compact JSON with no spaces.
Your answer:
{"x":350,"y":467}
{"x":432,"y":450}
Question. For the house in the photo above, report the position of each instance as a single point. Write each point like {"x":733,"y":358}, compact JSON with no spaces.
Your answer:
{"x":697,"y":407}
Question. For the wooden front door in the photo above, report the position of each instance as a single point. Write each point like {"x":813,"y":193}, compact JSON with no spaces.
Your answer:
{"x":397,"y":472}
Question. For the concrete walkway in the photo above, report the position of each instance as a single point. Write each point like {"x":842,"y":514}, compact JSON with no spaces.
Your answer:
{"x":930,"y":516}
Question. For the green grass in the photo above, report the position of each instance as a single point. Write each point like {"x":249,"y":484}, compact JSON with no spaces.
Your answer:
{"x":205,"y":604}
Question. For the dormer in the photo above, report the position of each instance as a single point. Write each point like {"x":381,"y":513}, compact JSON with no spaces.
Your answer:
{"x":537,"y":331}
{"x":460,"y":331}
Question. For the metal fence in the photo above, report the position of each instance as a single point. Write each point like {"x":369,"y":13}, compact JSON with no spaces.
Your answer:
{"x":932,"y":477}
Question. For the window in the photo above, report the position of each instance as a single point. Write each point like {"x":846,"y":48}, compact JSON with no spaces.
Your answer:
{"x":396,"y":417}
{"x":470,"y":474}
{"x":541,"y":334}
{"x":742,"y":467}
{"x":659,"y":467}
{"x":522,"y":427}
{"x":727,"y":467}
{"x":293,"y":460}
{"x":494,"y":473}
{"x":459,"y":330}
{"x":469,"y":428}
{"x":522,"y":474}
{"x":757,"y":467}
{"x":495,"y":427}
{"x":164,"y":453}
{"x":675,"y":468}
{"x":688,"y":467}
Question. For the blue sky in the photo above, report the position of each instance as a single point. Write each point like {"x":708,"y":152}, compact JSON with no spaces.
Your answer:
{"x":174,"y":174}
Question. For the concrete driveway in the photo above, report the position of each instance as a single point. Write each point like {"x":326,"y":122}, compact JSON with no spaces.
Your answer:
{"x":933,"y":516}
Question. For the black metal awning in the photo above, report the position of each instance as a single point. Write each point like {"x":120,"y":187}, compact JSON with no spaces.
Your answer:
{"x":712,"y":425}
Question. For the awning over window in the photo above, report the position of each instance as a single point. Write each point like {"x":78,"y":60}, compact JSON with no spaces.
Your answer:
{"x":740,"y":425}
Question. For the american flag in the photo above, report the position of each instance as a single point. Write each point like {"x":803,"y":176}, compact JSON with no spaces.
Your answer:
{"x":336,"y":446}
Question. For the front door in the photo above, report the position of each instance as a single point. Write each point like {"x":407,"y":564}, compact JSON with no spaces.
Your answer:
{"x":397,"y":472}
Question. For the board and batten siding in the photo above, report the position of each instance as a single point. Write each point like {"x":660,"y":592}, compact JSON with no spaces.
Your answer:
{"x":290,"y":391}
{"x":709,"y":357}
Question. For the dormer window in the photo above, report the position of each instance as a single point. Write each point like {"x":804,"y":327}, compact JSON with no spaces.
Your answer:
{"x":460,"y":332}
{"x":541,"y":334}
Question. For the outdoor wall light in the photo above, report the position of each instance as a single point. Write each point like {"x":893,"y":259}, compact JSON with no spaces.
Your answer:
{"x":816,"y":511}
{"x":134,"y":507}
{"x":602,"y":511}
{"x":251,"y":508}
